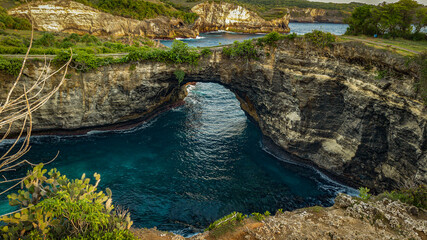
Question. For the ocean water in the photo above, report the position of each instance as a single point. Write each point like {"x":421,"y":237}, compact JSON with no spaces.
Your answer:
{"x":189,"y":166}
{"x":223,"y":38}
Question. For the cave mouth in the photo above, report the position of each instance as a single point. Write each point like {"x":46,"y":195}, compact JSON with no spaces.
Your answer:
{"x":189,"y":166}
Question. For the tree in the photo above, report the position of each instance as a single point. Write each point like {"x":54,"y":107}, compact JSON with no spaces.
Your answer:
{"x":420,"y":19}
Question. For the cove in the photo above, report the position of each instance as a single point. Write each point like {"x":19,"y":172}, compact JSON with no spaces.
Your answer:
{"x":189,"y":166}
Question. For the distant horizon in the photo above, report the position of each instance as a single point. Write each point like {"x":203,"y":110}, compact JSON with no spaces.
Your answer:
{"x":365,"y":1}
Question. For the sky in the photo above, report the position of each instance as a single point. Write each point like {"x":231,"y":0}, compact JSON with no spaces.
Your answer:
{"x":365,"y":1}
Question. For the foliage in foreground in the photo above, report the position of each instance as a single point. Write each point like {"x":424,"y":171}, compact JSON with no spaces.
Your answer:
{"x":52,"y":206}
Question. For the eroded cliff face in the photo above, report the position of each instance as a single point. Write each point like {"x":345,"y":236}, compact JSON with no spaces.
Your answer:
{"x":110,"y":95}
{"x":326,"y":107}
{"x":230,"y":17}
{"x":72,"y":17}
{"x":311,"y":15}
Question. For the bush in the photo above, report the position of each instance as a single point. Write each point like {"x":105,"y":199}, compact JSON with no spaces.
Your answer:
{"x":179,"y":53}
{"x":47,"y":40}
{"x":270,"y":39}
{"x":320,"y":39}
{"x":179,"y":74}
{"x":364,"y":193}
{"x":230,"y":218}
{"x":206,"y":52}
{"x":53,"y":206}
{"x":243,"y":50}
{"x":11,"y":66}
{"x":10,"y":22}
{"x":413,"y":196}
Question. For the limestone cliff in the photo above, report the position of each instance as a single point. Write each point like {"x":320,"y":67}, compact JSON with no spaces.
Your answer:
{"x":72,"y":17}
{"x":311,"y":15}
{"x":230,"y":17}
{"x":327,"y":107}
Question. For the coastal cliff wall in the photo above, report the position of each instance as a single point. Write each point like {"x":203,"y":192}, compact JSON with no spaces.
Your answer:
{"x":312,"y":15}
{"x":328,"y":107}
{"x":72,"y":17}
{"x":231,"y":17}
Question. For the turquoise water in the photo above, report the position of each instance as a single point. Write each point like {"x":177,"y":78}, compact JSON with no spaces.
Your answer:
{"x":189,"y":166}
{"x":222,"y":38}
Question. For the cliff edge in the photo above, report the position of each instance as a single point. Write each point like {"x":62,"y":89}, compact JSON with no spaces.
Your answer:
{"x":231,"y":17}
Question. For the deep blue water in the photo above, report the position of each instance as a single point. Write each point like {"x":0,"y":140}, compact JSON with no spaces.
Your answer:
{"x":189,"y":166}
{"x":222,"y":38}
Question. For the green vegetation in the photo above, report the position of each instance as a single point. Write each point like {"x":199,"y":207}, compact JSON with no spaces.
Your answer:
{"x":364,"y":193}
{"x":421,"y":68}
{"x":320,"y":39}
{"x":136,"y":9}
{"x":52,"y":206}
{"x":180,"y":52}
{"x":413,"y":196}
{"x":52,"y":44}
{"x":390,"y":20}
{"x":179,"y":74}
{"x":241,"y":50}
{"x":230,"y":218}
{"x":10,"y":66}
{"x":10,"y":22}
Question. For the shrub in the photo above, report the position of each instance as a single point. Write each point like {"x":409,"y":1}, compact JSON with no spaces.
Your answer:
{"x":12,"y":41}
{"x":244,"y":50}
{"x":179,"y":53}
{"x":10,"y":22}
{"x":270,"y":39}
{"x":413,"y":196}
{"x":364,"y":193}
{"x":230,"y":218}
{"x":11,"y":66}
{"x":53,"y":206}
{"x":179,"y":74}
{"x":47,"y":40}
{"x":320,"y":39}
{"x":258,"y":216}
{"x":206,"y":52}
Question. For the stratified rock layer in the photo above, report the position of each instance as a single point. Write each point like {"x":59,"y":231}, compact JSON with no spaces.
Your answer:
{"x":312,"y":15}
{"x":230,"y":17}
{"x":325,"y":106}
{"x":72,"y":17}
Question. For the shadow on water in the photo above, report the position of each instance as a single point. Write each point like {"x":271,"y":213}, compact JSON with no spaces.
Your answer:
{"x":189,"y":166}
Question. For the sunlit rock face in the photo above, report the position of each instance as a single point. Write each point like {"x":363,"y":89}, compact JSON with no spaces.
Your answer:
{"x":72,"y":17}
{"x":230,"y":17}
{"x":311,"y":15}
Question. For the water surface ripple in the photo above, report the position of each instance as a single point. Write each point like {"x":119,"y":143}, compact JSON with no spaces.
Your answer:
{"x":189,"y":166}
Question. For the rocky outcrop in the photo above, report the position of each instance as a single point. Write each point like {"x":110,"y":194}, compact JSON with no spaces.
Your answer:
{"x":327,"y":107}
{"x":312,"y":15}
{"x":230,"y":17}
{"x":349,"y":218}
{"x":72,"y":17}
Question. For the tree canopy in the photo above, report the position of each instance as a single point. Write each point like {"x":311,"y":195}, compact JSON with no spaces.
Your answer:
{"x":404,"y":18}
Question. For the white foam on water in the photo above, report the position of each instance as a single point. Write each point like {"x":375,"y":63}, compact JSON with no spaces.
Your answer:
{"x":335,"y":186}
